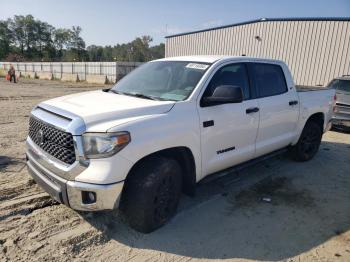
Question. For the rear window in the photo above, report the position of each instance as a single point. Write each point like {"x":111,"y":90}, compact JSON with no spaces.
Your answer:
{"x":269,"y":79}
{"x":342,"y":85}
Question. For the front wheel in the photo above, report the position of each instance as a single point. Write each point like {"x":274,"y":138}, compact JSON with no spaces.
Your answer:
{"x":308,"y":143}
{"x":152,"y":193}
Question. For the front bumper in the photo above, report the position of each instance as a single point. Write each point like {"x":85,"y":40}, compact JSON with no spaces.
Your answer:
{"x":70,"y":184}
{"x":70,"y":192}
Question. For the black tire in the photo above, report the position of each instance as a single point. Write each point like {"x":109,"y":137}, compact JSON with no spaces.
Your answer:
{"x":308,"y":143}
{"x":152,"y":194}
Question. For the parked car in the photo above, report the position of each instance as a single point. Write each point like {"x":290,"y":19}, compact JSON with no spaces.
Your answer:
{"x":341,"y":118}
{"x":166,"y":126}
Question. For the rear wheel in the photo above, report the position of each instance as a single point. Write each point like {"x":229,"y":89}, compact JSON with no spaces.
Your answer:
{"x":308,"y":143}
{"x":152,"y":193}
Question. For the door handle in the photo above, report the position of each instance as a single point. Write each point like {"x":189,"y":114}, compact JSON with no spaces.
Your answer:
{"x":208,"y":123}
{"x":293,"y":102}
{"x":252,"y":110}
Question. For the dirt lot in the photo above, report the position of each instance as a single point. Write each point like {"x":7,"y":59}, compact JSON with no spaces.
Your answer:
{"x":308,"y":218}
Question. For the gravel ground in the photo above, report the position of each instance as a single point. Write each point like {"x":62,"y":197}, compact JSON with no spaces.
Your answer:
{"x":307,"y":219}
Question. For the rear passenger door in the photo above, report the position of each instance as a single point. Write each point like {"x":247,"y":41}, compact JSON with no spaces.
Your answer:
{"x":278,"y":105}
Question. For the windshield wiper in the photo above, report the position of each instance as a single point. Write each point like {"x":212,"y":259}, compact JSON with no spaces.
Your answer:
{"x":135,"y":95}
{"x":116,"y":92}
{"x":142,"y":96}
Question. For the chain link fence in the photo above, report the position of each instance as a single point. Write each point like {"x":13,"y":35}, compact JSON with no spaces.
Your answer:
{"x":114,"y":71}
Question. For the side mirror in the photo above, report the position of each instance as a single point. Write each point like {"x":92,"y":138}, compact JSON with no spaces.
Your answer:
{"x":224,"y":94}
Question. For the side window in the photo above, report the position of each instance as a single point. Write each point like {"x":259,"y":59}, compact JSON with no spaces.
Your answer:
{"x":269,"y":79}
{"x":234,"y":74}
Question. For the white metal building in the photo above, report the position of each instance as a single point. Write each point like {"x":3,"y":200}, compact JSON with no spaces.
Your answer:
{"x":316,"y":49}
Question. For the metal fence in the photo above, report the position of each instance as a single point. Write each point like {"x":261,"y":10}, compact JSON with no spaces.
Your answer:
{"x":112,"y":70}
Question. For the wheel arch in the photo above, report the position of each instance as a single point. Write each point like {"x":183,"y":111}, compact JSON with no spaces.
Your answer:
{"x":318,"y":118}
{"x":297,"y":150}
{"x":184,"y":156}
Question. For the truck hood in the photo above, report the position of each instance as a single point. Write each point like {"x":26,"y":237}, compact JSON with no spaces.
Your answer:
{"x":97,"y":108}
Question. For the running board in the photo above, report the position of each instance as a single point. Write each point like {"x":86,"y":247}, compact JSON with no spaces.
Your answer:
{"x":230,"y":170}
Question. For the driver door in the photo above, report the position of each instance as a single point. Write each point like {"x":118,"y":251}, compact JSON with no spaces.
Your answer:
{"x":228,"y":131}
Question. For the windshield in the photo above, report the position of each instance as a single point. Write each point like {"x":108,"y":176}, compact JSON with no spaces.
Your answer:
{"x":341,"y":85}
{"x":162,"y":80}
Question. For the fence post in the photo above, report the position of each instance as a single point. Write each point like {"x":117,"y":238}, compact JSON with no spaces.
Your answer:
{"x":72,"y":67}
{"x":85,"y":68}
{"x":100,"y":68}
{"x":116,"y":72}
{"x":61,"y":69}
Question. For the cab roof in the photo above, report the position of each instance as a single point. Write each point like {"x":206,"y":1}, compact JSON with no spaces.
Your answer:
{"x":212,"y":59}
{"x":200,"y":58}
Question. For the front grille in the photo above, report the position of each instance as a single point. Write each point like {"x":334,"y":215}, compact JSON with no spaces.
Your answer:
{"x":55,"y":142}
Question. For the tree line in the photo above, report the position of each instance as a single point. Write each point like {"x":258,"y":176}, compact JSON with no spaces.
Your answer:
{"x":24,"y":38}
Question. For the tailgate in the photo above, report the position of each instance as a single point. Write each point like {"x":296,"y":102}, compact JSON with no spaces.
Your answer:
{"x":342,"y":105}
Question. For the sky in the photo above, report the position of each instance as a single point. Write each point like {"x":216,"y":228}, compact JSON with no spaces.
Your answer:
{"x":108,"y":22}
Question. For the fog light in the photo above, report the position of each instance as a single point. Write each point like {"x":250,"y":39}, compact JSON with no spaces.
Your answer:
{"x":88,"y":197}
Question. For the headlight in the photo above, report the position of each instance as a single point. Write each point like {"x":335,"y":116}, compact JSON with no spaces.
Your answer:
{"x":99,"y":145}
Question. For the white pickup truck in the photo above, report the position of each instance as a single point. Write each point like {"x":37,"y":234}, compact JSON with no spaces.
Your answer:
{"x":166,"y":126}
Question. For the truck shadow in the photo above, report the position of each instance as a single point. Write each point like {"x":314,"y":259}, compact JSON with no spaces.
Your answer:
{"x":344,"y":130}
{"x":6,"y":161}
{"x":274,"y":210}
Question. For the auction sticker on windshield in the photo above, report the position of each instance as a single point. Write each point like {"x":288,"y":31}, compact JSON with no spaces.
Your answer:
{"x":197,"y":66}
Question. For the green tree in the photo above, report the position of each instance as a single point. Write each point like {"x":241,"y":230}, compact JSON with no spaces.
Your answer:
{"x":6,"y":39}
{"x":31,"y":35}
{"x":94,"y":53}
{"x":17,"y":28}
{"x":136,"y":50}
{"x":157,"y":51}
{"x":139,"y":50}
{"x":61,"y":39}
{"x":77,"y":44}
{"x":25,"y":38}
{"x":44,"y":42}
{"x":107,"y":53}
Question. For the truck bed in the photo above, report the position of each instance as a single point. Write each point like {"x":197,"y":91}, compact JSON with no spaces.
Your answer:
{"x":315,"y":100}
